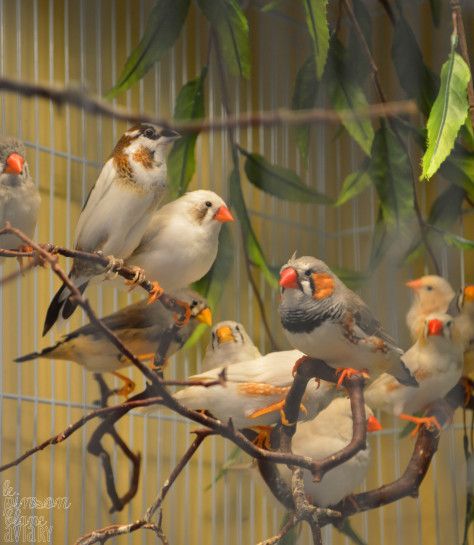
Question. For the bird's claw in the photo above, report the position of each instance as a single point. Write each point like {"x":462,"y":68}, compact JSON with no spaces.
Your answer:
{"x":155,"y":293}
{"x":297,"y":364}
{"x":111,"y":271}
{"x":127,"y":387}
{"x":263,"y":438}
{"x":139,"y":277}
{"x":347,"y":372}
{"x":430,"y":422}
{"x":183,"y":318}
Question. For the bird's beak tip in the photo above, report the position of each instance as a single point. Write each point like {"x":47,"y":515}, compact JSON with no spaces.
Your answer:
{"x":223,"y":214}
{"x":373,"y":424}
{"x":414,"y":284}
{"x":288,"y":278}
{"x":14,"y":164}
{"x":205,"y":317}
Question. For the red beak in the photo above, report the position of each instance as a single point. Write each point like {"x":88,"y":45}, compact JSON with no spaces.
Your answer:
{"x":288,"y":278}
{"x":435,"y":327}
{"x":373,"y":424}
{"x":14,"y":164}
{"x":223,"y":214}
{"x":414,"y":284}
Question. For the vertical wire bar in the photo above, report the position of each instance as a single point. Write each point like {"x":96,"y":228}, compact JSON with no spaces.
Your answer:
{"x":3,"y":117}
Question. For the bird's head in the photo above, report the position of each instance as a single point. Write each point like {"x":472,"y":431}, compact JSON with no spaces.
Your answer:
{"x":13,"y":165}
{"x":198,"y":305}
{"x":204,"y":208}
{"x":433,"y":293}
{"x":439,"y":328}
{"x":307,"y":278}
{"x":140,"y":153}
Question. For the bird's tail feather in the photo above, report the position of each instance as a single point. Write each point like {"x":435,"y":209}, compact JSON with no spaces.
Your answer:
{"x":34,"y":355}
{"x":404,"y":375}
{"x":61,"y":305}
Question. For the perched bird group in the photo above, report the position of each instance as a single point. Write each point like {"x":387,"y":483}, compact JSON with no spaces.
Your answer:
{"x":175,"y":245}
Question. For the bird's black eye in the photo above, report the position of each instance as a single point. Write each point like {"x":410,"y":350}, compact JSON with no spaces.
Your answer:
{"x":149,"y":133}
{"x":208,"y":204}
{"x":237,"y":328}
{"x":429,"y":288}
{"x":308,"y":272}
{"x":450,"y":323}
{"x":194,"y":303}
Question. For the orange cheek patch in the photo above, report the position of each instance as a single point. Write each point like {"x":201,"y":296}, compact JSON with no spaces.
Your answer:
{"x":144,"y":156}
{"x":323,"y":285}
{"x":391,"y":387}
{"x":261,"y":389}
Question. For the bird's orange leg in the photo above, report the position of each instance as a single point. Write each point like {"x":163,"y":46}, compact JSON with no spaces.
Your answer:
{"x":344,"y":372}
{"x":263,"y":438}
{"x":128,"y":386}
{"x":277,"y":406}
{"x":431,"y":422}
{"x":155,"y":293}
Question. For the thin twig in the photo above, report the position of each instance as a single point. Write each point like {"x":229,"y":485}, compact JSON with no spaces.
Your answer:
{"x":93,"y":104}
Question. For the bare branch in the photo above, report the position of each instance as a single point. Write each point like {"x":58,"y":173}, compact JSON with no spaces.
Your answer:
{"x":93,"y":104}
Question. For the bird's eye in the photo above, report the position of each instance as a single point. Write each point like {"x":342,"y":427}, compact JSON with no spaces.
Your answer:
{"x":237,"y":328}
{"x":450,"y":323}
{"x":308,"y":272}
{"x":149,"y":133}
{"x":208,"y":204}
{"x":429,"y":288}
{"x":194,"y":303}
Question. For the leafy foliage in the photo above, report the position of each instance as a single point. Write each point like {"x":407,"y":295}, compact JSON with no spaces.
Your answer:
{"x":316,"y":21}
{"x":162,"y":30}
{"x":354,"y":184}
{"x":278,"y":181}
{"x":448,"y":114}
{"x":181,"y":161}
{"x":230,"y":24}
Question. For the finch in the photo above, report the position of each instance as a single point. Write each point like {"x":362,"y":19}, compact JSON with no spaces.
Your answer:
{"x":118,"y":208}
{"x":326,"y":320}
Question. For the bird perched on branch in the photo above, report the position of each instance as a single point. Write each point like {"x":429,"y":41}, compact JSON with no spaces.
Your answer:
{"x":139,"y":326}
{"x":323,"y":436}
{"x":19,"y":196}
{"x":118,"y":208}
{"x":326,"y":320}
{"x":180,"y":243}
{"x":436,"y":362}
{"x":432,"y":293}
{"x":229,"y":344}
{"x":254,"y":392}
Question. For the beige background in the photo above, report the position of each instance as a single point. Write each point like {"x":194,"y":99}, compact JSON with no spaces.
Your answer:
{"x":87,"y":42}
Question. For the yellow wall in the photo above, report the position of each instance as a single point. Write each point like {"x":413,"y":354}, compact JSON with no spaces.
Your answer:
{"x":86,"y":42}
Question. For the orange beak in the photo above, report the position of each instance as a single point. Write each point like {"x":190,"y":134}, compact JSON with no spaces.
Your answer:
{"x":414,"y":284}
{"x":435,"y":327}
{"x":373,"y":424}
{"x":469,"y":293}
{"x":223,"y":214}
{"x":288,"y":278}
{"x":14,"y":164}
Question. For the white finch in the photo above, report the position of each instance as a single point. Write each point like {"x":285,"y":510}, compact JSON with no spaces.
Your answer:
{"x":19,"y":196}
{"x":431,"y":294}
{"x":180,"y":243}
{"x":326,"y":320}
{"x":139,"y":326}
{"x":436,"y":362}
{"x":323,"y":436}
{"x":254,"y":392}
{"x":229,"y":344}
{"x":463,"y":308}
{"x":118,"y":208}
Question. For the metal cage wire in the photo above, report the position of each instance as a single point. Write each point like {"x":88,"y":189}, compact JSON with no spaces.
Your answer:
{"x":87,"y":42}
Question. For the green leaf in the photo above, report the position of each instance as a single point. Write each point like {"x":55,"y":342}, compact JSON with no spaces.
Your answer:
{"x":358,"y":65}
{"x":459,"y":169}
{"x":446,"y":209}
{"x":212,"y":285}
{"x":278,"y":181}
{"x":353,"y":185}
{"x":304,"y":98}
{"x":316,"y":20}
{"x":459,"y":242}
{"x":345,"y":93}
{"x":250,"y":241}
{"x":162,"y":30}
{"x":231,"y":27}
{"x":391,"y":174}
{"x":181,"y":161}
{"x":231,"y":460}
{"x":448,"y":113}
{"x":415,"y":78}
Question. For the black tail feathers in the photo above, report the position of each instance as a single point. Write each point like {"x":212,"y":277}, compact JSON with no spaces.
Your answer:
{"x":60,"y":304}
{"x":34,"y":355}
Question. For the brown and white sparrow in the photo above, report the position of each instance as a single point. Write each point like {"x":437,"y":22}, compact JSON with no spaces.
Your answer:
{"x":19,"y":197}
{"x":180,"y":243}
{"x":431,"y":293}
{"x":326,"y":434}
{"x":139,"y":326}
{"x":230,"y":343}
{"x":326,"y":320}
{"x":435,"y":360}
{"x":118,"y":208}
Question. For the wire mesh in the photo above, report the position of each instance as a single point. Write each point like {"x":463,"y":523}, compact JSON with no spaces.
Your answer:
{"x":86,"y":41}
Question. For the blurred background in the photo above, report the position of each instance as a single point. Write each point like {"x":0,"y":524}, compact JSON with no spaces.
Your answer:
{"x":85,"y":42}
